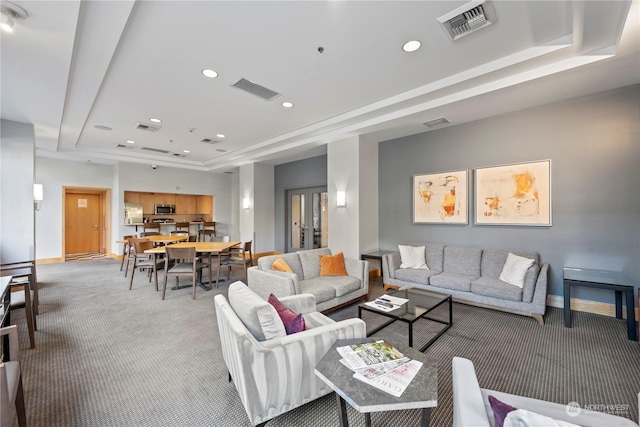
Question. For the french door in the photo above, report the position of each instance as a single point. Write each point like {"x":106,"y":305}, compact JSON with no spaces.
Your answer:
{"x":307,"y":221}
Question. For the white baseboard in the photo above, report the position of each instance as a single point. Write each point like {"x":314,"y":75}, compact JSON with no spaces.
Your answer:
{"x":587,"y":306}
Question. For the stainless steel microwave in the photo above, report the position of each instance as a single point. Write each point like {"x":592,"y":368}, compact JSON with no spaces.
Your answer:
{"x":165,"y":209}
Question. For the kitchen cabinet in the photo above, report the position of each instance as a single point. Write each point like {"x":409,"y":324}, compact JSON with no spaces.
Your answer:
{"x":205,"y":206}
{"x":148,"y":203}
{"x":165,"y":199}
{"x":186,"y":204}
{"x":131,"y":197}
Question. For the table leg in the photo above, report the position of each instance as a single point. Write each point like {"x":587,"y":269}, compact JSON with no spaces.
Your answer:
{"x":367,"y":419}
{"x":426,"y":417}
{"x":342,"y":411}
{"x":631,"y":316}
{"x":567,"y":305}
{"x":410,"y":334}
{"x":618,"y":304}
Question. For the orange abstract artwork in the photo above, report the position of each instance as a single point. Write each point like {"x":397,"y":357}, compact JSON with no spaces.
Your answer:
{"x":440,"y":198}
{"x":514,"y":194}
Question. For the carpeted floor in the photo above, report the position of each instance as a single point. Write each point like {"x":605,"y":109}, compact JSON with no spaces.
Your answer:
{"x":107,"y":356}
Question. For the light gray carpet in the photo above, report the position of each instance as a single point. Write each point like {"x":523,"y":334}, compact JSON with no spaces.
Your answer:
{"x":107,"y":356}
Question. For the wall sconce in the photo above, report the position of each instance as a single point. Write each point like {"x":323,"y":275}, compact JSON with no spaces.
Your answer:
{"x":341,"y":199}
{"x":38,"y":195}
{"x":245,"y":203}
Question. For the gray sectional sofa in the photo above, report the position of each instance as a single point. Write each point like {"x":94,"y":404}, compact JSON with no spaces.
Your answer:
{"x":471,"y":276}
{"x":330,"y":292}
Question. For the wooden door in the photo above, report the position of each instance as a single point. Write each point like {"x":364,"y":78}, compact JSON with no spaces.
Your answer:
{"x":83,"y":223}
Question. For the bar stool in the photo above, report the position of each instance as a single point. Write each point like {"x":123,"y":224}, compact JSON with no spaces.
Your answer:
{"x":182,"y":227}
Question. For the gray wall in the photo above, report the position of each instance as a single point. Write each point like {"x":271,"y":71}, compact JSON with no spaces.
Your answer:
{"x":594,"y":147}
{"x":17,"y":224}
{"x":303,"y":173}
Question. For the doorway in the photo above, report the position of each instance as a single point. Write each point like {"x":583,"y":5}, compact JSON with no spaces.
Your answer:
{"x":307,"y":219}
{"x":85,"y":225}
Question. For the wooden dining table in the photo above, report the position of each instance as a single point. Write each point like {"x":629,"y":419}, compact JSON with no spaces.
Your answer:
{"x":209,"y":248}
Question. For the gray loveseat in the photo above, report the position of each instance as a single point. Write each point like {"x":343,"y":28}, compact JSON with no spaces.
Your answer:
{"x":471,"y":276}
{"x":330,"y":292}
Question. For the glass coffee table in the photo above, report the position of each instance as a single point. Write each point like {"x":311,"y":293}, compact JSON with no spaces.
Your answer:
{"x":420,"y":304}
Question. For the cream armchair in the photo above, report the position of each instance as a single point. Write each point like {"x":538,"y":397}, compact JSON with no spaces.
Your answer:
{"x":275,"y":375}
{"x":471,"y":407}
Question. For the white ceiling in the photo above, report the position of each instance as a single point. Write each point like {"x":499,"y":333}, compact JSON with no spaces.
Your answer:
{"x":71,"y":66}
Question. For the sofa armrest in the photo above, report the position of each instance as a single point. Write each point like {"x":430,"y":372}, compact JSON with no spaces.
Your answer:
{"x":301,"y":303}
{"x":391,"y":262}
{"x":539,"y":301}
{"x":360,"y":269}
{"x":267,"y":282}
{"x":468,"y":401}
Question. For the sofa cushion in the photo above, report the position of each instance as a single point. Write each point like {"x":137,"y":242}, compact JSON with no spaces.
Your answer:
{"x":412,"y":257}
{"x":292,"y":259}
{"x":293,"y":322}
{"x":464,"y":261}
{"x":496,"y":288}
{"x":524,"y":418}
{"x":415,"y":275}
{"x":319,"y":287}
{"x":281,"y":265}
{"x":500,"y":411}
{"x":332,"y":265}
{"x":530,"y":281}
{"x":493,"y":260}
{"x":515,"y":267}
{"x":310,"y":261}
{"x":458,"y":282}
{"x":342,"y":285}
{"x":435,"y":256}
{"x":260,"y":317}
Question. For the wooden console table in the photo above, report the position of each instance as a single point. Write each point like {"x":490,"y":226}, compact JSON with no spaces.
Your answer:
{"x":601,"y":279}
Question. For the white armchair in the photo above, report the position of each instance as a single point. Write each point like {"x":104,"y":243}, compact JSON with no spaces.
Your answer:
{"x":275,"y":375}
{"x":471,"y":407}
{"x":11,"y":392}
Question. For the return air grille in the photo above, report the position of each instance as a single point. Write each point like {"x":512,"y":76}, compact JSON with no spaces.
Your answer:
{"x":147,"y":127}
{"x":437,"y":122}
{"x":255,"y":89}
{"x":156,"y":150}
{"x":468,"y":18}
{"x":210,"y":141}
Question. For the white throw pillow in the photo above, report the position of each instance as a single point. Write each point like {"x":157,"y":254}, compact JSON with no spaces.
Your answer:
{"x":515,"y":269}
{"x":524,"y":418}
{"x":412,"y":257}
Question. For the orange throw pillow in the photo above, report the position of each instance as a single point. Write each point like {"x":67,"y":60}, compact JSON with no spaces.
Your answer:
{"x":281,"y":265}
{"x":333,"y":265}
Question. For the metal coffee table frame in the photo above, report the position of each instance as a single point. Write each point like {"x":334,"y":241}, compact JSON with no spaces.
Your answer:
{"x":404,"y":314}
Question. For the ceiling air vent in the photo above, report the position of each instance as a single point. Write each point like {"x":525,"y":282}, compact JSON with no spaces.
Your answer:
{"x":147,"y":127}
{"x":436,"y":122}
{"x":156,"y":150}
{"x":210,"y":141}
{"x":468,"y":18}
{"x":179,"y":155}
{"x":255,"y":89}
{"x":122,"y":146}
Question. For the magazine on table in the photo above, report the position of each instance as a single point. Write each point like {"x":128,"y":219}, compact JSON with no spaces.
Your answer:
{"x":396,"y":381}
{"x":387,"y":303}
{"x":358,"y":356}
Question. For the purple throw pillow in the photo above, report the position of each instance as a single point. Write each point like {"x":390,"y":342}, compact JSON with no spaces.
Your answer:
{"x":293,"y":322}
{"x":500,"y":410}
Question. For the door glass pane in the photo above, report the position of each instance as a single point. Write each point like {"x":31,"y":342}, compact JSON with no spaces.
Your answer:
{"x":297,"y":221}
{"x":320,"y":229}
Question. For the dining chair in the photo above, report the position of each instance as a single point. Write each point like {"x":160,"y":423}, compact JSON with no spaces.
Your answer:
{"x":238,"y":256}
{"x":126,"y":248}
{"x":143,"y":261}
{"x":206,"y":235}
{"x":185,"y":263}
{"x":24,"y":292}
{"x":132,"y":251}
{"x":209,"y":225}
{"x":151,"y":229}
{"x":11,"y":392}
{"x":182,"y":227}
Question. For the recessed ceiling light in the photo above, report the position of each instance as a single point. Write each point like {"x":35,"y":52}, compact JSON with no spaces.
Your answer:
{"x":209,"y":73}
{"x":129,"y":141}
{"x":101,"y":127}
{"x":287,"y":104}
{"x":411,"y":46}
{"x":221,"y":150}
{"x":186,"y":151}
{"x":155,"y":120}
{"x":220,"y":135}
